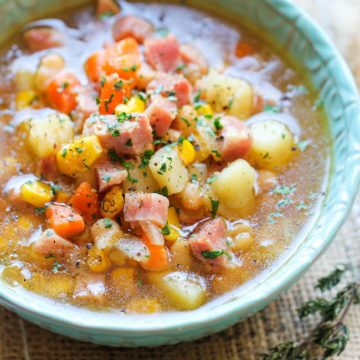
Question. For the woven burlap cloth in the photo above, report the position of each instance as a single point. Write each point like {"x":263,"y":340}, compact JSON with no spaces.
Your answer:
{"x":20,"y":340}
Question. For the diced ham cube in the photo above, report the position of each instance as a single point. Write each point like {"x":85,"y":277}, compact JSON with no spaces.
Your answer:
{"x":144,"y":75}
{"x":132,"y":26}
{"x":174,"y":86}
{"x":162,"y":54}
{"x":41,"y":38}
{"x":90,"y":287}
{"x":86,"y":105}
{"x":191,"y":54}
{"x":208,"y":243}
{"x":51,"y":243}
{"x":161,"y":113}
{"x":124,"y":136}
{"x":109,"y":174}
{"x":237,"y":138}
{"x":141,"y":207}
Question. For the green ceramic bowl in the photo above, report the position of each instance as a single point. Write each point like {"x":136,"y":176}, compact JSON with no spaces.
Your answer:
{"x":294,"y":33}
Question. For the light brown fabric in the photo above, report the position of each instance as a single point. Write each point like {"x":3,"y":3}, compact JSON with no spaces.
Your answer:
{"x":20,"y":340}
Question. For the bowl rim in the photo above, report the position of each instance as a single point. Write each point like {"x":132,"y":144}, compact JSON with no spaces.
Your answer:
{"x":230,"y":309}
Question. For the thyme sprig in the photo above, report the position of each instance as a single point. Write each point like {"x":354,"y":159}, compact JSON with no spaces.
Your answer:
{"x":330,"y":336}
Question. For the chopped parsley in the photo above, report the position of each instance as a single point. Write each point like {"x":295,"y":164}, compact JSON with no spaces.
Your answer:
{"x":132,"y":68}
{"x":211,"y":180}
{"x":165,"y":191}
{"x":40,"y":210}
{"x":214,"y":207}
{"x":271,"y":109}
{"x":108,"y":223}
{"x":56,"y":267}
{"x":119,"y":85}
{"x":78,"y":149}
{"x":129,"y":143}
{"x":302,"y":145}
{"x":106,"y":178}
{"x":145,"y":159}
{"x":193,"y":178}
{"x":284,"y":202}
{"x":162,"y":169}
{"x":64,"y":152}
{"x":166,"y":229}
{"x":213,"y":254}
{"x":180,"y":67}
{"x":217,"y":124}
{"x":50,"y":256}
{"x":216,"y":153}
{"x":55,"y":189}
{"x":186,"y":121}
{"x":283,"y":190}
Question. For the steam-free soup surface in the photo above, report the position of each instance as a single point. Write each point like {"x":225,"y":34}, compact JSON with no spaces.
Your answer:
{"x":152,"y":157}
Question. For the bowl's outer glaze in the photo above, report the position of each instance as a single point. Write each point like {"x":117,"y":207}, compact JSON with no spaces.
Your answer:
{"x":294,"y":33}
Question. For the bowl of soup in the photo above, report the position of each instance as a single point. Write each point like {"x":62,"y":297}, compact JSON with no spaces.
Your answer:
{"x":167,"y":170}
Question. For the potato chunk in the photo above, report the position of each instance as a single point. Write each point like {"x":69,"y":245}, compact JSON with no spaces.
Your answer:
{"x":47,"y":135}
{"x":168,"y":170}
{"x":233,"y":95}
{"x":234,"y":186}
{"x":272,"y":145}
{"x":186,"y":291}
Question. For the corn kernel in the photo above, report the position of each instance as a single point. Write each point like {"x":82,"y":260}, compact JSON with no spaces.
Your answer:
{"x":144,"y":306}
{"x":205,"y":109}
{"x":36,"y":193}
{"x":117,"y":257}
{"x":24,"y":223}
{"x":63,"y":197}
{"x":133,"y":105}
{"x":123,"y":280}
{"x":24,"y":80}
{"x":186,"y":152}
{"x":79,"y":156}
{"x":98,"y":260}
{"x":112,"y":203}
{"x":174,"y":225}
{"x":25,"y":98}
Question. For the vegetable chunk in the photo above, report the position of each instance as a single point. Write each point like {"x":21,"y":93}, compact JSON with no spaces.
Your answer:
{"x":146,"y":207}
{"x":208,"y":243}
{"x":232,"y":95}
{"x":273,"y":145}
{"x":65,"y":221}
{"x":168,"y":170}
{"x":48,"y":134}
{"x":186,"y":291}
{"x":234,"y":186}
{"x":131,"y":26}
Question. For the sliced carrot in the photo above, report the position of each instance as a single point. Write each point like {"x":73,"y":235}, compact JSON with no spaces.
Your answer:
{"x":86,"y":201}
{"x":64,"y":220}
{"x":159,"y":256}
{"x":123,"y":58}
{"x":113,"y":91}
{"x":62,"y":92}
{"x":244,"y":49}
{"x":93,"y":66}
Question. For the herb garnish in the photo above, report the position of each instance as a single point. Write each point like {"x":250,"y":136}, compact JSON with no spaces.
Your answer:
{"x":214,"y":207}
{"x":330,"y":336}
{"x":213,"y":254}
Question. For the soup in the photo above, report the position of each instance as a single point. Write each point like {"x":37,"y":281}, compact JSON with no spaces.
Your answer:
{"x":152,"y":157}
